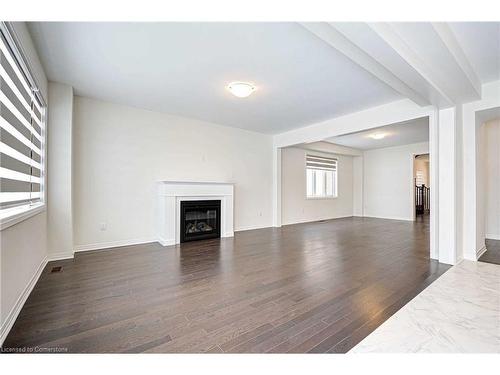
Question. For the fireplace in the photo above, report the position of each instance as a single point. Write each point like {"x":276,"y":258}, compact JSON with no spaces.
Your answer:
{"x":200,"y":220}
{"x":172,"y":193}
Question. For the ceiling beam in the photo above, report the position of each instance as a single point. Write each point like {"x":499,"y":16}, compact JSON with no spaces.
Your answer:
{"x":394,"y":40}
{"x":452,"y":76}
{"x":451,"y":42}
{"x":337,"y":40}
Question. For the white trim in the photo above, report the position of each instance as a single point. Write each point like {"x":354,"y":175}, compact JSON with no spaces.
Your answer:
{"x":165,"y":242}
{"x":320,"y":197}
{"x":172,"y":193}
{"x":434,"y":185}
{"x":251,"y":227}
{"x":389,"y":217}
{"x":491,"y":236}
{"x":480,"y":252}
{"x":317,"y":220}
{"x":16,"y":309}
{"x":112,"y":244}
{"x":21,"y":213}
{"x":60,"y":256}
{"x":276,"y":198}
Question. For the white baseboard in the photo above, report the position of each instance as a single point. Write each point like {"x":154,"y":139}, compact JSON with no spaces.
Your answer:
{"x":60,"y":256}
{"x":166,"y":242}
{"x":480,"y":252}
{"x":111,"y":244}
{"x":252,"y":227}
{"x":389,"y":217}
{"x":16,"y":309}
{"x":316,"y":220}
{"x":492,"y":236}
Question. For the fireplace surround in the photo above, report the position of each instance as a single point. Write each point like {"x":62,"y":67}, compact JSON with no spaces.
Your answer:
{"x":171,"y":195}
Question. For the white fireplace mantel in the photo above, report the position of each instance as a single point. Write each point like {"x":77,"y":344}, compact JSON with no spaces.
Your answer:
{"x":171,"y":193}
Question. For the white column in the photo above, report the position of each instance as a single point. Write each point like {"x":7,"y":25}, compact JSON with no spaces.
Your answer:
{"x":434,"y":184}
{"x":59,"y":171}
{"x":276,"y":186}
{"x":448,"y":190}
{"x":357,"y":183}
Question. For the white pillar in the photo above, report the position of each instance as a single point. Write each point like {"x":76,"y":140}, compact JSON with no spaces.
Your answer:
{"x":434,"y":185}
{"x":448,"y":190}
{"x":276,"y":186}
{"x":357,"y":183}
{"x":59,"y":171}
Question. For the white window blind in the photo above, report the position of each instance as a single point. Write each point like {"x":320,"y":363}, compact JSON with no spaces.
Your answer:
{"x":22,"y":131}
{"x":321,"y":175}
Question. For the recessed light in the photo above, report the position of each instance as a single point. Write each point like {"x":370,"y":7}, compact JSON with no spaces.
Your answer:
{"x":241,"y":89}
{"x":377,"y":135}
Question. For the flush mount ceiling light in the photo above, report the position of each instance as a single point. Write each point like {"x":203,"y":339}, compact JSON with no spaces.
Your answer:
{"x":378,"y":135}
{"x":241,"y":89}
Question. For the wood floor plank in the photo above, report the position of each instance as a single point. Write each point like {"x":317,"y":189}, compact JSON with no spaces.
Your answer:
{"x":313,"y":287}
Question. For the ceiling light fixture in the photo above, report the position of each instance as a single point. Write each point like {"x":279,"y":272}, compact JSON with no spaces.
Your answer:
{"x":378,"y":135}
{"x":241,"y":89}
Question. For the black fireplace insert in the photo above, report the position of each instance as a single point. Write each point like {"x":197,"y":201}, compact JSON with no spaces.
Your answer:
{"x":200,"y":220}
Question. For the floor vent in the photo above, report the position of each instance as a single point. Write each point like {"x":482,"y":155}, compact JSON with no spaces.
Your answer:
{"x":56,"y":269}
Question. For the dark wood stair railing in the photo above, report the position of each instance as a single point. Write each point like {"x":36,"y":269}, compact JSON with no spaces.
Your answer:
{"x":422,"y":199}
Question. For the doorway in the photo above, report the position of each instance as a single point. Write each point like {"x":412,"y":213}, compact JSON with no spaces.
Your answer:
{"x":421,"y":182}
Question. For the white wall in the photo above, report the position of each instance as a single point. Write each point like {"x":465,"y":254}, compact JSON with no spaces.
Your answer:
{"x":296,"y":207}
{"x":23,"y":246}
{"x":388,"y":181}
{"x":120,"y":152}
{"x":59,"y":175}
{"x":473,"y":238}
{"x":24,"y":254}
{"x":492,"y":179}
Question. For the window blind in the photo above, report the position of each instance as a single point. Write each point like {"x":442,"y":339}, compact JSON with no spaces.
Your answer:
{"x":320,"y":162}
{"x":22,"y":128}
{"x":321,"y":176}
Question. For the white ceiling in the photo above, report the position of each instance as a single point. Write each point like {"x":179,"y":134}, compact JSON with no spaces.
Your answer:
{"x":481,"y":44}
{"x":399,"y":134}
{"x":183,"y":68}
{"x":304,"y":73}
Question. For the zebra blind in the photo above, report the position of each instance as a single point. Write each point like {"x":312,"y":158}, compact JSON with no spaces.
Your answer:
{"x":22,"y":129}
{"x":321,"y":177}
{"x":320,"y":162}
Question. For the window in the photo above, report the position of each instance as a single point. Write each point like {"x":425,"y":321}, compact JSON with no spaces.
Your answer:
{"x":321,"y":175}
{"x":419,"y":179}
{"x":22,"y":132}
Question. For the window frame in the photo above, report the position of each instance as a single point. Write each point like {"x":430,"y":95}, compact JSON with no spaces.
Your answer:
{"x":16,"y":214}
{"x":335,"y":194}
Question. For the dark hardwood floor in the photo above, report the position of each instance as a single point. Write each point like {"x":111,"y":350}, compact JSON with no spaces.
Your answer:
{"x":317,"y":287}
{"x":492,"y":254}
